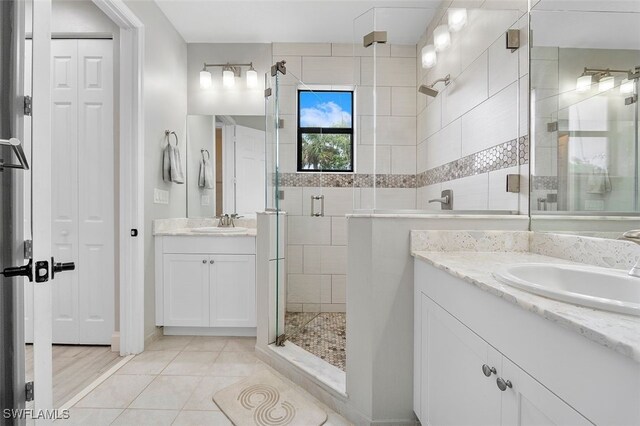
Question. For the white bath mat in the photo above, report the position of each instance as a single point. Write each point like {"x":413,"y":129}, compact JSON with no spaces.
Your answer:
{"x":265,"y":400}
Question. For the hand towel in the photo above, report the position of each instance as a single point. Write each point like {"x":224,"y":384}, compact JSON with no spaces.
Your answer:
{"x":205,"y":176}
{"x":171,"y":162}
{"x":598,"y":181}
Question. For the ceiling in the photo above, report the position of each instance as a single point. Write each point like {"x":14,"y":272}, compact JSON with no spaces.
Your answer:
{"x":302,"y":21}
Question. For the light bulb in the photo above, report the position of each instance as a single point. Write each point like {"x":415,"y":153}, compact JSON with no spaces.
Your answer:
{"x":583,"y":84}
{"x":205,"y":79}
{"x":606,"y":83}
{"x":252,"y":78}
{"x":429,"y":57}
{"x":626,"y":86}
{"x":457,"y":19}
{"x":441,"y":38}
{"x":228,"y":78}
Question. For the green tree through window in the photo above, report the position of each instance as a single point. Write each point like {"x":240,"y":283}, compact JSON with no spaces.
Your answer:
{"x":325,"y":131}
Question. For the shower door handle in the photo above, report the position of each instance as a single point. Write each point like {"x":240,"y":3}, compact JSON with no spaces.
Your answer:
{"x":313,"y":205}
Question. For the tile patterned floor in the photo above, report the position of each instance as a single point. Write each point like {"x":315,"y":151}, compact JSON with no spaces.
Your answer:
{"x":173,"y":382}
{"x":322,"y":334}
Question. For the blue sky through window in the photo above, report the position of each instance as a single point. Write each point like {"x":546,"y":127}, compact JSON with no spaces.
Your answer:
{"x":325,"y":109}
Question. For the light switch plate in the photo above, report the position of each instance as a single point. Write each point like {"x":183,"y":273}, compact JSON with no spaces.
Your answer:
{"x":160,"y":196}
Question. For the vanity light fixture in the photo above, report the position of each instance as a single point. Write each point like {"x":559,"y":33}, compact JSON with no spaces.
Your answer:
{"x":205,"y":79}
{"x":584,"y":83}
{"x":229,"y":74}
{"x":429,"y":57}
{"x":606,"y":79}
{"x":252,"y":78}
{"x":606,"y":83}
{"x":457,"y":19}
{"x":626,"y":86}
{"x":441,"y":38}
{"x":228,"y":77}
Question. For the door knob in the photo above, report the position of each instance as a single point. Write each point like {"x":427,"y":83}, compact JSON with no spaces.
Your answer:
{"x":488,"y":371}
{"x":204,"y":261}
{"x":503,"y":384}
{"x":61,"y":267}
{"x":19,"y":271}
{"x":212,"y":262}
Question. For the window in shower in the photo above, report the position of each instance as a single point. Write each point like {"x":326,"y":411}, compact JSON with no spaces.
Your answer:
{"x":325,"y":131}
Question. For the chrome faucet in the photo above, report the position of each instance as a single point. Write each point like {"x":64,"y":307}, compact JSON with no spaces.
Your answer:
{"x":633,"y":236}
{"x":227,"y":220}
{"x":446,"y":199}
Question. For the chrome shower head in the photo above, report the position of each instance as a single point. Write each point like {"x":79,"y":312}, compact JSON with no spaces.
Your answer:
{"x":430,"y":91}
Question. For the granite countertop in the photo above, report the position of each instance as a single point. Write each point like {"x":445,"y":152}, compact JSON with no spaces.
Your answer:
{"x":188,"y":232}
{"x":616,"y":331}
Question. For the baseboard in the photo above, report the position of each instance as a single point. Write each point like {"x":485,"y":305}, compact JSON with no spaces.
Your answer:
{"x":115,"y":342}
{"x":153,"y":336}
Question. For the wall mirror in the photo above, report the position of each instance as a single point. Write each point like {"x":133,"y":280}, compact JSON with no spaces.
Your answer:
{"x":584,"y":121}
{"x":225,"y":165}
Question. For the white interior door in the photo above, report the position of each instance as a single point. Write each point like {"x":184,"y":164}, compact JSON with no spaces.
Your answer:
{"x":96,"y":200}
{"x":64,"y":195}
{"x":83,"y":196}
{"x":250,"y":164}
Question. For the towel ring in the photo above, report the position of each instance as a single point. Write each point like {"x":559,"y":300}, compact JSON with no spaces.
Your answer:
{"x":202,"y":151}
{"x":168,"y":134}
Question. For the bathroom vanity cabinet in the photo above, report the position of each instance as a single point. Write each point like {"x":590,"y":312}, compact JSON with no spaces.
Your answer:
{"x":479,"y":359}
{"x":206,"y":285}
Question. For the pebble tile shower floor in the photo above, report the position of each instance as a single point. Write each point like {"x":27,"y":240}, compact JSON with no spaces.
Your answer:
{"x":322,"y":334}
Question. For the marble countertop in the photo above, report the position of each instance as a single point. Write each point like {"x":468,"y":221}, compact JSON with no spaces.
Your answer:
{"x":188,"y":232}
{"x":619,"y":332}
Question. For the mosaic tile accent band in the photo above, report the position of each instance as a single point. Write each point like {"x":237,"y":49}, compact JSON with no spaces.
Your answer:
{"x":346,"y":180}
{"x":545,"y":182}
{"x":507,"y":154}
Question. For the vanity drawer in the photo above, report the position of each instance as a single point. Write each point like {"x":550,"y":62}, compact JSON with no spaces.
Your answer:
{"x":209,"y":244}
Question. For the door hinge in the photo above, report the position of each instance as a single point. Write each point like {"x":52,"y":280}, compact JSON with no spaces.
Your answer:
{"x":28,"y":249}
{"x":28,"y":394}
{"x":267,"y":92}
{"x":42,"y":271}
{"x":27,"y":105}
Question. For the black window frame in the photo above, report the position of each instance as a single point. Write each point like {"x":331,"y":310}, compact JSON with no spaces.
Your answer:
{"x":325,"y":131}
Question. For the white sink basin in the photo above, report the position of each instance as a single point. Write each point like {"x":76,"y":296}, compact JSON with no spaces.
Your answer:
{"x":219,"y":230}
{"x":600,"y":288}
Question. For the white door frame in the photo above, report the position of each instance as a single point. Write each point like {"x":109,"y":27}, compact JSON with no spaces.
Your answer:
{"x":131,"y":172}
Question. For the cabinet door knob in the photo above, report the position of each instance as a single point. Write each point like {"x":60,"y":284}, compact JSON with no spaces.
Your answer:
{"x":503,"y":384}
{"x":212,"y":261}
{"x":204,"y":261}
{"x":488,"y":371}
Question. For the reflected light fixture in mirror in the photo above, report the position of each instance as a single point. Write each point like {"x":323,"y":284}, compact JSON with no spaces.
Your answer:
{"x":228,"y":77}
{"x":252,"y":78}
{"x":606,"y":83}
{"x":205,"y":79}
{"x":441,"y":38}
{"x":584,"y":83}
{"x":457,"y":19}
{"x":429,"y":57}
{"x":626,"y":86}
